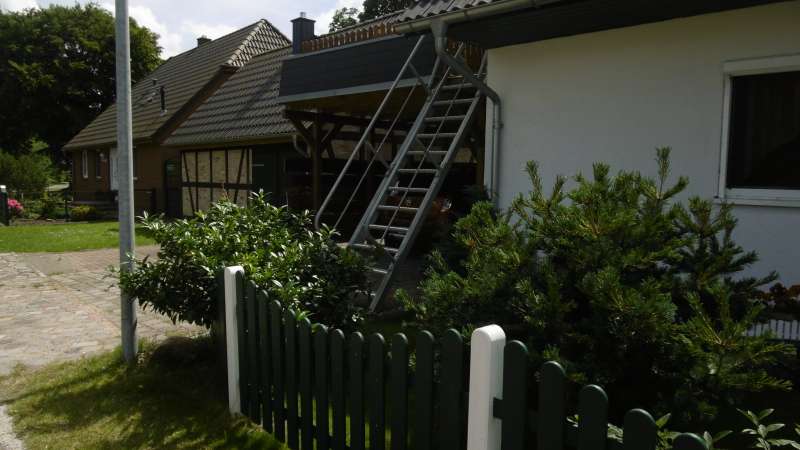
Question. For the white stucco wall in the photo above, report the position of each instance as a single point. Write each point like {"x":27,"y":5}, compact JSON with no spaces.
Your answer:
{"x":614,"y":96}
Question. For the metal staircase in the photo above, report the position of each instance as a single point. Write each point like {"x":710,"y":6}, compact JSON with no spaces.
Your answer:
{"x":416,"y":172}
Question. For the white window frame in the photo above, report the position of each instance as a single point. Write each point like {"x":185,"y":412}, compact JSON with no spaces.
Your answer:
{"x":746,"y":196}
{"x":85,"y":164}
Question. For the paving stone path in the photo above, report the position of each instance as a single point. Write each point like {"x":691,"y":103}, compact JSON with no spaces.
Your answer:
{"x":61,"y":306}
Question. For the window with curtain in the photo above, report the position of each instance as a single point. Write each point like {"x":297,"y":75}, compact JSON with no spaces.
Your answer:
{"x":764,"y":132}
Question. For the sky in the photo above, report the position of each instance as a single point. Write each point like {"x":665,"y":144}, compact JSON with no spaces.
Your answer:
{"x":180,"y":22}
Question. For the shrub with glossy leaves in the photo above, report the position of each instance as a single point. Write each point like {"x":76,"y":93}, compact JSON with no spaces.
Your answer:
{"x":279,"y":249}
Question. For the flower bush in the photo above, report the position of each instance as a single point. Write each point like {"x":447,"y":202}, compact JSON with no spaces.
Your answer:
{"x":15,"y":208}
{"x":620,"y":282}
{"x":279,"y":249}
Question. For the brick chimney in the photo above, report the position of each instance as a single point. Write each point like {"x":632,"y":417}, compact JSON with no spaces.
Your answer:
{"x":302,"y":30}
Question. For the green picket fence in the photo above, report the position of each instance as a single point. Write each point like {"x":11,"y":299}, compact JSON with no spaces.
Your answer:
{"x":547,"y":426}
{"x":314,"y":387}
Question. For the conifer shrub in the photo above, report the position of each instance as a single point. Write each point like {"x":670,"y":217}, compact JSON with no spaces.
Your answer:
{"x":279,"y":249}
{"x":619,"y":281}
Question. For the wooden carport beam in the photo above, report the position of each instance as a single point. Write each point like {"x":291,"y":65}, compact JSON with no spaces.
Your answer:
{"x":317,"y":143}
{"x":309,"y":116}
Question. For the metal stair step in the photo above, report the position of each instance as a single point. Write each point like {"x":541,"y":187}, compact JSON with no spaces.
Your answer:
{"x":392,"y":229}
{"x":403,"y":209}
{"x":457,"y":101}
{"x":437,"y":135}
{"x":413,"y":190}
{"x":446,"y":118}
{"x":429,"y":152}
{"x":372,"y":248}
{"x":453,"y":87}
{"x":379,"y":271}
{"x":420,"y":171}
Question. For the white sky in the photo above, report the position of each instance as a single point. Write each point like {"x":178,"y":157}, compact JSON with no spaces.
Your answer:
{"x":180,"y":22}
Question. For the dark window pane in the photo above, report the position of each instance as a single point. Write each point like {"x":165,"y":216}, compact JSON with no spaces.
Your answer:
{"x":764,"y":149}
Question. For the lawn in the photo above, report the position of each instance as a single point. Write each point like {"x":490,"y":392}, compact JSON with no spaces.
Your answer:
{"x":64,"y":237}
{"x":174,"y":398}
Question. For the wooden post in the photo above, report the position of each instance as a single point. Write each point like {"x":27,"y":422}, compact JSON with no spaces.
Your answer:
{"x":232,"y":291}
{"x":485,"y":384}
{"x":316,"y":165}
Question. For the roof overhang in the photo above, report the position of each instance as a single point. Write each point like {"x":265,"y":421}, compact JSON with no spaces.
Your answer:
{"x":511,"y":22}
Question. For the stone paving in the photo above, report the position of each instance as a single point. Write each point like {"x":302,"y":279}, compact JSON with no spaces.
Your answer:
{"x":60,"y":306}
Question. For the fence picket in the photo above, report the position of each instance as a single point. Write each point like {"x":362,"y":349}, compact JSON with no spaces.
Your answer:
{"x":640,"y":431}
{"x":321,"y":367}
{"x":356,"y":373}
{"x":290,"y":350}
{"x":398,"y":391}
{"x":593,"y":424}
{"x":339,"y":440}
{"x":515,"y":396}
{"x":244,"y":373}
{"x":276,"y":327}
{"x":306,"y":392}
{"x":376,"y":393}
{"x":452,"y":387}
{"x":264,"y":360}
{"x":552,"y":381}
{"x":423,"y":392}
{"x":252,"y":353}
{"x":688,"y":441}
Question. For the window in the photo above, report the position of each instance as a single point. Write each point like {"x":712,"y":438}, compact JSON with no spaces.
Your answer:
{"x":98,"y":164}
{"x":761,"y":132}
{"x":85,"y":164}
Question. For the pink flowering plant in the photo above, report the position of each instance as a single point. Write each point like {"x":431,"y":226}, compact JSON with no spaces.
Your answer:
{"x":15,"y":208}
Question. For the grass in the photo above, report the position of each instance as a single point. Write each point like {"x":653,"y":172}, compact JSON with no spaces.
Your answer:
{"x":174,"y":398}
{"x":64,"y":237}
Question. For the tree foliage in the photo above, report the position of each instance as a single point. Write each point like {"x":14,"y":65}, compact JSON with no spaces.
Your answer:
{"x":343,"y":18}
{"x":26,"y":174}
{"x":57,"y":71}
{"x":377,"y":8}
{"x":619,"y":281}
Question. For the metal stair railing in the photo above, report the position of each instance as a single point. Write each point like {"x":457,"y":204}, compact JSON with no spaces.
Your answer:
{"x":376,"y":152}
{"x":362,"y":237}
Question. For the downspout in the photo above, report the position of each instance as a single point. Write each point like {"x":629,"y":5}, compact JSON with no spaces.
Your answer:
{"x":439,"y":29}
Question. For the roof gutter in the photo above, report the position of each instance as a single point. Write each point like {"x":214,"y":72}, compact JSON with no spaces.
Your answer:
{"x":474,"y":13}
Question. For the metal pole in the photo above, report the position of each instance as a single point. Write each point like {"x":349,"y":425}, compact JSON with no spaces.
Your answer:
{"x":125,"y":173}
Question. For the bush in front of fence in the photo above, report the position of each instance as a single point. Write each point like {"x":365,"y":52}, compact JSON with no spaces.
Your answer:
{"x":279,"y":248}
{"x":621,"y":283}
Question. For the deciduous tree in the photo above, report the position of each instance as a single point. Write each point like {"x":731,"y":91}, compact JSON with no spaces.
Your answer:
{"x":57,"y":71}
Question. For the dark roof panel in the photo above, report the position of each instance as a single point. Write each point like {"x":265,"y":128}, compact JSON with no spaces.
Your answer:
{"x":427,"y":8}
{"x":182,"y":77}
{"x":244,"y":108}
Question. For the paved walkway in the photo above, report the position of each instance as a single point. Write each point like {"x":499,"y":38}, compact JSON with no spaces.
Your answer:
{"x":60,"y":306}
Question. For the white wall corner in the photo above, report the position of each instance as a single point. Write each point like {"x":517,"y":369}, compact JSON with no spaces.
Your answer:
{"x":231,"y":338}
{"x":485,"y":384}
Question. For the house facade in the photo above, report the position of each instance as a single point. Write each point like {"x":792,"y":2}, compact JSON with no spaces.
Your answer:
{"x":609,"y":81}
{"x":161,"y":103}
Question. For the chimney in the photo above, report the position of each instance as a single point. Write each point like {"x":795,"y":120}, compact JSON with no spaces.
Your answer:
{"x":302,"y":30}
{"x":203,"y":40}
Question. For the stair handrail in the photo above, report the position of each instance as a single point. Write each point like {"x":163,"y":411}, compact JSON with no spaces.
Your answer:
{"x":367,"y":132}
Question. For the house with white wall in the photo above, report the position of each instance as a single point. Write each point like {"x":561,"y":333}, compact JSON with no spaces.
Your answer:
{"x":582,"y":81}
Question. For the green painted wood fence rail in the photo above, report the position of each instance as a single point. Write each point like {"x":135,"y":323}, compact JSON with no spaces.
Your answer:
{"x":315,"y":387}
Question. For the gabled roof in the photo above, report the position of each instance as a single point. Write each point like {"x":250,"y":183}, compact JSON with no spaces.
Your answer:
{"x":243,"y":109}
{"x":183,"y":78}
{"x":428,"y":8}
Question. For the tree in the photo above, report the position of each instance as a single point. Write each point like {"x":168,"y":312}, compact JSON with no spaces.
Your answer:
{"x":377,"y":8}
{"x":57,"y":71}
{"x":343,"y":18}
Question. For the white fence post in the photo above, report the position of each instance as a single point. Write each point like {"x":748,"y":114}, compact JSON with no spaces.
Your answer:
{"x":485,"y":384}
{"x":232,"y":338}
